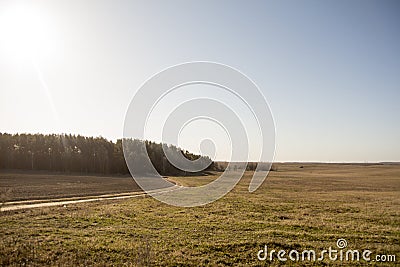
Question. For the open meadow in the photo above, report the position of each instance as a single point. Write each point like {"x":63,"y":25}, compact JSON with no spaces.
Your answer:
{"x":299,"y":206}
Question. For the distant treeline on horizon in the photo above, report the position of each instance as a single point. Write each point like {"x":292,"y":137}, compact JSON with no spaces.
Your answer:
{"x":80,"y":154}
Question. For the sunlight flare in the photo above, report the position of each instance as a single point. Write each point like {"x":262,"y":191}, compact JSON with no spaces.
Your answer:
{"x":24,"y":33}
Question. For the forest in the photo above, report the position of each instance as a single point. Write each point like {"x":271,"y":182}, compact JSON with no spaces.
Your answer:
{"x":80,"y":154}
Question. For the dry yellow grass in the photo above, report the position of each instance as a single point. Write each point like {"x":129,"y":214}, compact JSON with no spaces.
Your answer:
{"x":295,"y":208}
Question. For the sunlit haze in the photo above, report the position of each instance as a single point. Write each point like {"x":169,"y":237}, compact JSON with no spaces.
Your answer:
{"x":330,"y":70}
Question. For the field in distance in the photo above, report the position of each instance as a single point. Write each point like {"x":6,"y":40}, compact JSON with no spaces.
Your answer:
{"x":299,"y":206}
{"x":28,"y":185}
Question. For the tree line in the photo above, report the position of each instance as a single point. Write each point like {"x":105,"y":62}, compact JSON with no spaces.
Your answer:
{"x":80,"y":154}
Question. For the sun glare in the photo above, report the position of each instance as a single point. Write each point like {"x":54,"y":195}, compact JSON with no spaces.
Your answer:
{"x":23,"y":32}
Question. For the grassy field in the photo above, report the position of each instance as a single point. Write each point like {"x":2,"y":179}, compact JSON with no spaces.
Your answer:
{"x":299,"y":207}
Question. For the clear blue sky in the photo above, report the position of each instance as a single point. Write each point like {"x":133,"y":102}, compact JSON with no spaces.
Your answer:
{"x":329,"y":69}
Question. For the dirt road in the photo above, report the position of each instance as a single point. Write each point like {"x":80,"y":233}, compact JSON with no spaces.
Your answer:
{"x":39,"y":203}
